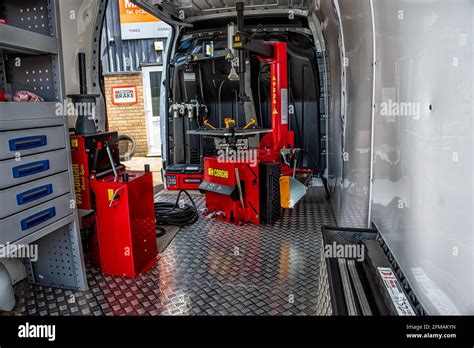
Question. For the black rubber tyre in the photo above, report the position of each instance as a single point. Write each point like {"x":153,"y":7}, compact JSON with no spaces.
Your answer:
{"x":128,"y":154}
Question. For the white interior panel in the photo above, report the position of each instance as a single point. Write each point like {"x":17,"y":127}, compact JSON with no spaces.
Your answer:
{"x":422,"y":136}
{"x":422,"y":193}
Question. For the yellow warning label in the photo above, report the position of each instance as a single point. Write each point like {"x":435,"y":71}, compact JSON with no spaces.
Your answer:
{"x":111,"y":194}
{"x":274,"y":95}
{"x":285,"y":194}
{"x":74,"y":143}
{"x":218,"y":173}
{"x":76,"y":175}
{"x":228,"y":56}
{"x":237,"y":42}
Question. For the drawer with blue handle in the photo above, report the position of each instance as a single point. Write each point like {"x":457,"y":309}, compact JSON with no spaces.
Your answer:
{"x":30,"y":141}
{"x":28,"y":195}
{"x":32,"y":167}
{"x":31,"y":220}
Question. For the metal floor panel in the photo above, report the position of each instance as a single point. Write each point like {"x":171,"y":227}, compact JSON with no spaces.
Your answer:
{"x":211,"y":268}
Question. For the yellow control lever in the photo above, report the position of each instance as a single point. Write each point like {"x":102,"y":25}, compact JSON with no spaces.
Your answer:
{"x":229,"y":122}
{"x":251,"y":123}
{"x":208,"y":124}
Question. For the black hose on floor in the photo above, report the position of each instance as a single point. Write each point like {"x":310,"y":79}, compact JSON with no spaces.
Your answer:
{"x":175,"y":215}
{"x":160,"y":231}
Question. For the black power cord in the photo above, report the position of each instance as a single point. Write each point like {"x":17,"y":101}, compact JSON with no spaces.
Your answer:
{"x":172,"y":214}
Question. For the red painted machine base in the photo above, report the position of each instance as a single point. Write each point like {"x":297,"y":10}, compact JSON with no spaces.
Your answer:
{"x":222,"y":196}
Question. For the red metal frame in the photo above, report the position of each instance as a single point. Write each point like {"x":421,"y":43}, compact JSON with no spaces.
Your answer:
{"x":81,"y":172}
{"x":280,"y":137}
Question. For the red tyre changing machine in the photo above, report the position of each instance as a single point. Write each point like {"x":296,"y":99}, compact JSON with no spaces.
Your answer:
{"x":243,"y":190}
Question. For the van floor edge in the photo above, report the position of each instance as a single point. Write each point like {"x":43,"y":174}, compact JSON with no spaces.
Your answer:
{"x":210,"y":268}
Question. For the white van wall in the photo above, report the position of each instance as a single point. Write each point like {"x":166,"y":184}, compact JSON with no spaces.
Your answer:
{"x":325,"y":25}
{"x":81,"y":29}
{"x":421,"y":197}
{"x":350,"y":64}
{"x":422,"y":194}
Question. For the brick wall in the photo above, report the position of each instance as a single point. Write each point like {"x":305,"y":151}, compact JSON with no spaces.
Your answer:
{"x":128,"y":119}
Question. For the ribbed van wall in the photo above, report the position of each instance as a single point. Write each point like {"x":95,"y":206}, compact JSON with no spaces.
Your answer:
{"x":418,"y":119}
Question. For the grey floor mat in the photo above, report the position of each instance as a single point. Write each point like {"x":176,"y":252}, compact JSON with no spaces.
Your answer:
{"x":166,"y":239}
{"x":211,"y":268}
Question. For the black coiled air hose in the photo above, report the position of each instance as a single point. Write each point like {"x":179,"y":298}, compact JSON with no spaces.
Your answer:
{"x":172,"y":214}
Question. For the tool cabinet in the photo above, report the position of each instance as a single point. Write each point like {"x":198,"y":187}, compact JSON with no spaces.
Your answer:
{"x":36,"y":186}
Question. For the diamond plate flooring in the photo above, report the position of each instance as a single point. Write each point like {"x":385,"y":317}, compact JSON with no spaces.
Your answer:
{"x":211,"y":268}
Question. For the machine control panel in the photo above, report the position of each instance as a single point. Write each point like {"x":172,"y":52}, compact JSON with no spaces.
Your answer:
{"x":218,"y":188}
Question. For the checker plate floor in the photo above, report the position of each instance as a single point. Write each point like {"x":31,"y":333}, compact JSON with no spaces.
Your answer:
{"x":210,"y":268}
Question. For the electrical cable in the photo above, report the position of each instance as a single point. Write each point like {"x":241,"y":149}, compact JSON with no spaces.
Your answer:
{"x":175,"y":215}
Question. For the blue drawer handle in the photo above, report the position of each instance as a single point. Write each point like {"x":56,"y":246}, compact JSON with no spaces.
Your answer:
{"x":38,"y":218}
{"x":28,"y":143}
{"x":34,"y":194}
{"x":30,"y":169}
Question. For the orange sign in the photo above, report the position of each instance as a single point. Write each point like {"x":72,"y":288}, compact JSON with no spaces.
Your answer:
{"x":131,"y":13}
{"x":136,"y":23}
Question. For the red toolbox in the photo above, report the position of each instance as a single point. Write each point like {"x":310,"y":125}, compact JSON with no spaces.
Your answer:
{"x":126,"y":219}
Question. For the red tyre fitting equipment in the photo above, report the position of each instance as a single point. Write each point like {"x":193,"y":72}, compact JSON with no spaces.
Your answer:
{"x":244,"y":192}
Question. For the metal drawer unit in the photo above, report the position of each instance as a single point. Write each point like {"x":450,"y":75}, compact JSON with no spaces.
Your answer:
{"x":28,"y":195}
{"x":37,"y":199}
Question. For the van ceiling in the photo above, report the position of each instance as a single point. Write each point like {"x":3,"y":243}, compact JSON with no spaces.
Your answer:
{"x":198,"y":10}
